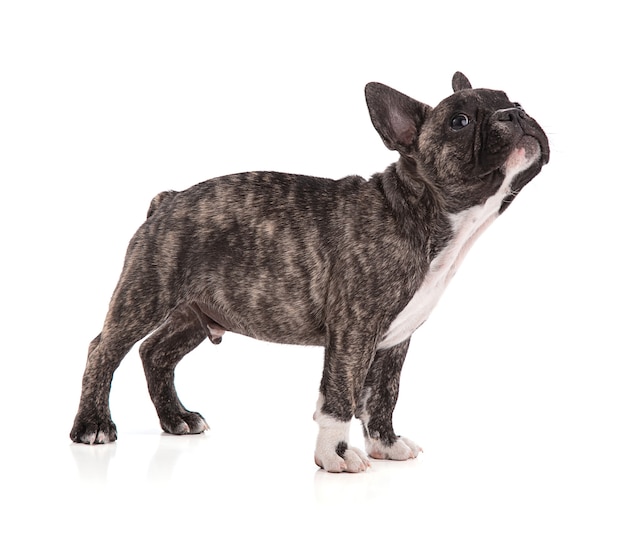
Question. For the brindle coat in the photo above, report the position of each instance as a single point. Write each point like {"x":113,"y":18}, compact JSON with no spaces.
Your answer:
{"x":304,"y":260}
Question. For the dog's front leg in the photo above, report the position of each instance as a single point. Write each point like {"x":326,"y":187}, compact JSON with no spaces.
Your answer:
{"x":377,"y":403}
{"x":346,"y":361}
{"x":332,"y":451}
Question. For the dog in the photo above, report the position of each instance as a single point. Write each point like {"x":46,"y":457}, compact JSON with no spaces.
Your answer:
{"x":353,"y":265}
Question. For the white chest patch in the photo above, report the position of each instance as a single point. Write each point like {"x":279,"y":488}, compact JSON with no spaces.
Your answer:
{"x":467,"y":226}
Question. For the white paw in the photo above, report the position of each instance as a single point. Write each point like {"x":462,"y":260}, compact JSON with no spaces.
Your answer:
{"x":401,"y":450}
{"x":353,"y":460}
{"x":332,"y":452}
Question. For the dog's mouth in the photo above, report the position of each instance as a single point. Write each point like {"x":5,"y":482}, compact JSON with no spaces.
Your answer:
{"x":524,"y":162}
{"x":535,"y":139}
{"x":527,"y":152}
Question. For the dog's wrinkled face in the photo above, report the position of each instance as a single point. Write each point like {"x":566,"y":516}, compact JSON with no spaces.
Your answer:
{"x":467,"y":144}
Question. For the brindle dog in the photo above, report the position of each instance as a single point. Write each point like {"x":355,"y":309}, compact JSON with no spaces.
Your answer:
{"x":353,"y":265}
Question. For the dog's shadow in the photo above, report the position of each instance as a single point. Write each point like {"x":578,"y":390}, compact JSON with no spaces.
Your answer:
{"x":93,"y":461}
{"x":335,"y":491}
{"x":98,"y":464}
{"x":169,"y":450}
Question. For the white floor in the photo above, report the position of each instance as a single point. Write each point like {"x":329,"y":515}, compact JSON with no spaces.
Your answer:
{"x":510,"y":445}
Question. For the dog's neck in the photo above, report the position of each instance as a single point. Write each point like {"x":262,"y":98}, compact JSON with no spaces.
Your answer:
{"x":418,"y":205}
{"x":464,"y":228}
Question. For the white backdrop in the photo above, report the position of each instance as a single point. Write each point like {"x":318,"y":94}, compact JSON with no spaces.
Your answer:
{"x":515,"y":386}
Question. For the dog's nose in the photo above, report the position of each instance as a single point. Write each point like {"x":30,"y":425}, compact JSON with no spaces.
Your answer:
{"x":512,"y":114}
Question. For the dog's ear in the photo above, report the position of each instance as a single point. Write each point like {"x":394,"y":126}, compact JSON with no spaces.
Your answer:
{"x":460,"y":82}
{"x":396,"y":117}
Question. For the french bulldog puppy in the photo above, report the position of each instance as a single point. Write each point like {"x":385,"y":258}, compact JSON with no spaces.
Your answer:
{"x":353,"y":265}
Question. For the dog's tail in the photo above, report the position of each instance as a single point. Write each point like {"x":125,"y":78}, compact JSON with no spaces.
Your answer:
{"x":162,"y":198}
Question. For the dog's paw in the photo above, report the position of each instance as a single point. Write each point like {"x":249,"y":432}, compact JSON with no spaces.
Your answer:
{"x":401,"y":450}
{"x":343,"y":459}
{"x":332,"y":452}
{"x":185,"y":424}
{"x":101,"y":432}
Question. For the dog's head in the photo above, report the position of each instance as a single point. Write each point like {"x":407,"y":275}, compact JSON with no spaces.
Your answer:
{"x":467,"y":145}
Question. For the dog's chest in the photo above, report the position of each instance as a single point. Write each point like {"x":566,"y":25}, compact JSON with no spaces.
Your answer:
{"x":467,"y":226}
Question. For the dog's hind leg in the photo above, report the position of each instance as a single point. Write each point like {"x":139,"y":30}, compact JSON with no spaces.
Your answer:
{"x":138,"y":306}
{"x":377,"y":403}
{"x":93,"y":424}
{"x":160,"y":353}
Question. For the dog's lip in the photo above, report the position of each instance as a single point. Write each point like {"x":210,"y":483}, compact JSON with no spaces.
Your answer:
{"x":545,"y":154}
{"x":530,"y":144}
{"x":526,"y":152}
{"x":545,"y":149}
{"x":542,"y":143}
{"x":536,"y":145}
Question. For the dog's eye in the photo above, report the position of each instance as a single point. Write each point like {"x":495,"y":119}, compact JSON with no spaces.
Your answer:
{"x":459,"y":121}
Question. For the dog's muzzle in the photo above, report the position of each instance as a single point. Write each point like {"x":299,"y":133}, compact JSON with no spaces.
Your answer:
{"x":529,"y":127}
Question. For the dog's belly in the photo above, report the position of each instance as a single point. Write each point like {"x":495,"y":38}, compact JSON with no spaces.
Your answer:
{"x":467,"y":226}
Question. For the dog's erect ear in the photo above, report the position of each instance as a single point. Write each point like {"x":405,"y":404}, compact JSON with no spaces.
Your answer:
{"x":396,"y":117}
{"x":460,"y":82}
